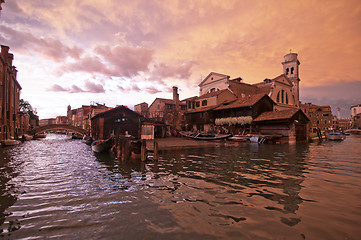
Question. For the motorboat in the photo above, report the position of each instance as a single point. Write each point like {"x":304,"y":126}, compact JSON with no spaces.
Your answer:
{"x":100,"y":146}
{"x":257,"y":139}
{"x":336,"y":136}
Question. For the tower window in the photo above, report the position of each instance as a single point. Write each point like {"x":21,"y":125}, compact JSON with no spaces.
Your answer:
{"x":278,"y":97}
{"x":287,"y":70}
{"x":292,"y":69}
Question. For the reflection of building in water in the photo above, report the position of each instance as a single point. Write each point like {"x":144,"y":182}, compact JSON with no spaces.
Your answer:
{"x":267,"y":175}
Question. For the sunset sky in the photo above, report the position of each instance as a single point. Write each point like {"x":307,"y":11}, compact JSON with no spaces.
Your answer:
{"x":128,"y":52}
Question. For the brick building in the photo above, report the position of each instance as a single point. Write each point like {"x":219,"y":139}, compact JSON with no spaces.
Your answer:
{"x":320,"y":116}
{"x":10,"y":123}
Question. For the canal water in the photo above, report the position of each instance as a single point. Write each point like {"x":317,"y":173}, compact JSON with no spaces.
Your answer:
{"x":58,"y":188}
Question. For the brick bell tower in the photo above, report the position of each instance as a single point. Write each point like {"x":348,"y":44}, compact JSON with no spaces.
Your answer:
{"x":291,"y":70}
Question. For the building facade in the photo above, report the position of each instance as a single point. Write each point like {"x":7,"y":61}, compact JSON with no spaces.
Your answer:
{"x":283,"y":89}
{"x":10,"y":123}
{"x":169,"y":111}
{"x":320,"y":116}
{"x":142,"y":109}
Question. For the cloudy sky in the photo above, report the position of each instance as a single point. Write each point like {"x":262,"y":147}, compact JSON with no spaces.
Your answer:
{"x":128,"y":52}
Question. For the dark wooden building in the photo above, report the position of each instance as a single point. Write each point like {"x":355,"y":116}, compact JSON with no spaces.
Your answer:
{"x":291,"y":125}
{"x":205,"y":118}
{"x":118,"y":121}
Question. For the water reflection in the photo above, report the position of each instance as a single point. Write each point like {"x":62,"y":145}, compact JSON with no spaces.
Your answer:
{"x":59,"y":188}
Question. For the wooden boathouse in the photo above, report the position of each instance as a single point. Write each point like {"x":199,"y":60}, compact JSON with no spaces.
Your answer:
{"x":117,"y":121}
{"x":291,"y":125}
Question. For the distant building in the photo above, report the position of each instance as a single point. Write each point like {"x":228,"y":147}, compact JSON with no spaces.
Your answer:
{"x":80,"y":117}
{"x":320,"y":116}
{"x":356,"y":121}
{"x":61,"y":120}
{"x":168,"y":111}
{"x":48,"y":121}
{"x":142,"y":109}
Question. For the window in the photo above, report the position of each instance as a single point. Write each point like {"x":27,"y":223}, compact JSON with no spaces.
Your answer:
{"x":282,"y":95}
{"x":286,"y":98}
{"x":197,"y":104}
{"x":189,"y":104}
{"x":325,"y":121}
{"x":325,"y":114}
{"x":278,"y":97}
{"x":204,"y":103}
{"x":287,"y":70}
{"x":213,"y":90}
{"x":292,"y":69}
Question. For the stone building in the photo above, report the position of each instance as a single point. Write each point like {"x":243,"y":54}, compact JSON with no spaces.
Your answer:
{"x":9,"y":96}
{"x":142,"y":109}
{"x":320,"y":116}
{"x":169,"y":111}
{"x":283,"y":89}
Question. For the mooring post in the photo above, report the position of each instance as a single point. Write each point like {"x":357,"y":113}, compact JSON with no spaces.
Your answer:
{"x":143,"y":150}
{"x":123,"y":150}
{"x":156,"y":150}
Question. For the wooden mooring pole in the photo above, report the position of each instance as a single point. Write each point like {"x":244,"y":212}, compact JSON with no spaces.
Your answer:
{"x":143,"y":150}
{"x":156,"y":156}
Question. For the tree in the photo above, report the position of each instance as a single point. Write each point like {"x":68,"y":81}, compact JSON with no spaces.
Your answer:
{"x":25,"y":107}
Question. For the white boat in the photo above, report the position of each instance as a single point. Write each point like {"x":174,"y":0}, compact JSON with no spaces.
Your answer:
{"x":257,"y":139}
{"x":9,"y":142}
{"x":336,"y":136}
{"x":100,"y":146}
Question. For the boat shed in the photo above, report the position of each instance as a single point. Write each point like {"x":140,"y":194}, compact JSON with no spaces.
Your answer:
{"x":118,"y":121}
{"x":291,"y":124}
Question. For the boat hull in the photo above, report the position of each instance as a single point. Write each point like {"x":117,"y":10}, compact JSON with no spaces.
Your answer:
{"x":208,"y":137}
{"x":100,"y":146}
{"x":9,"y":142}
{"x":337,"y":136}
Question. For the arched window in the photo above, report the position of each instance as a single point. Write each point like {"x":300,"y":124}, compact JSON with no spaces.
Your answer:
{"x":287,"y":70}
{"x":282,"y":96}
{"x":292,"y":69}
{"x":286,"y":98}
{"x":278,"y":97}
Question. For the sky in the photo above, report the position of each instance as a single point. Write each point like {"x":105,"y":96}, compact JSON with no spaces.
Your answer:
{"x":121,"y":52}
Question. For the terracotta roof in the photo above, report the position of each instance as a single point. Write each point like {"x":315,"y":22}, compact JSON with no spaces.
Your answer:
{"x":279,"y":115}
{"x":202,"y":109}
{"x":242,"y":102}
{"x":212,"y":94}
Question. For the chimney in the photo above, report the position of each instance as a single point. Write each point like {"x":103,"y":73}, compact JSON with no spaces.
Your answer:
{"x":4,"y":51}
{"x":10,"y":59}
{"x":175,"y":95}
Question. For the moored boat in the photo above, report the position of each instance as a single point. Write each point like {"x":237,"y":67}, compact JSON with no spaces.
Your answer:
{"x":100,"y":146}
{"x":9,"y":142}
{"x":336,"y":136}
{"x":208,"y":136}
{"x":87,"y":139}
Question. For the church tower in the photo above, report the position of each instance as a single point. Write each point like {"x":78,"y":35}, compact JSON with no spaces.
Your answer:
{"x":290,"y":69}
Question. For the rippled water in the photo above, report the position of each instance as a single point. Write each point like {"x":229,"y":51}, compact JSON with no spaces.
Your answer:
{"x":57,"y":188}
